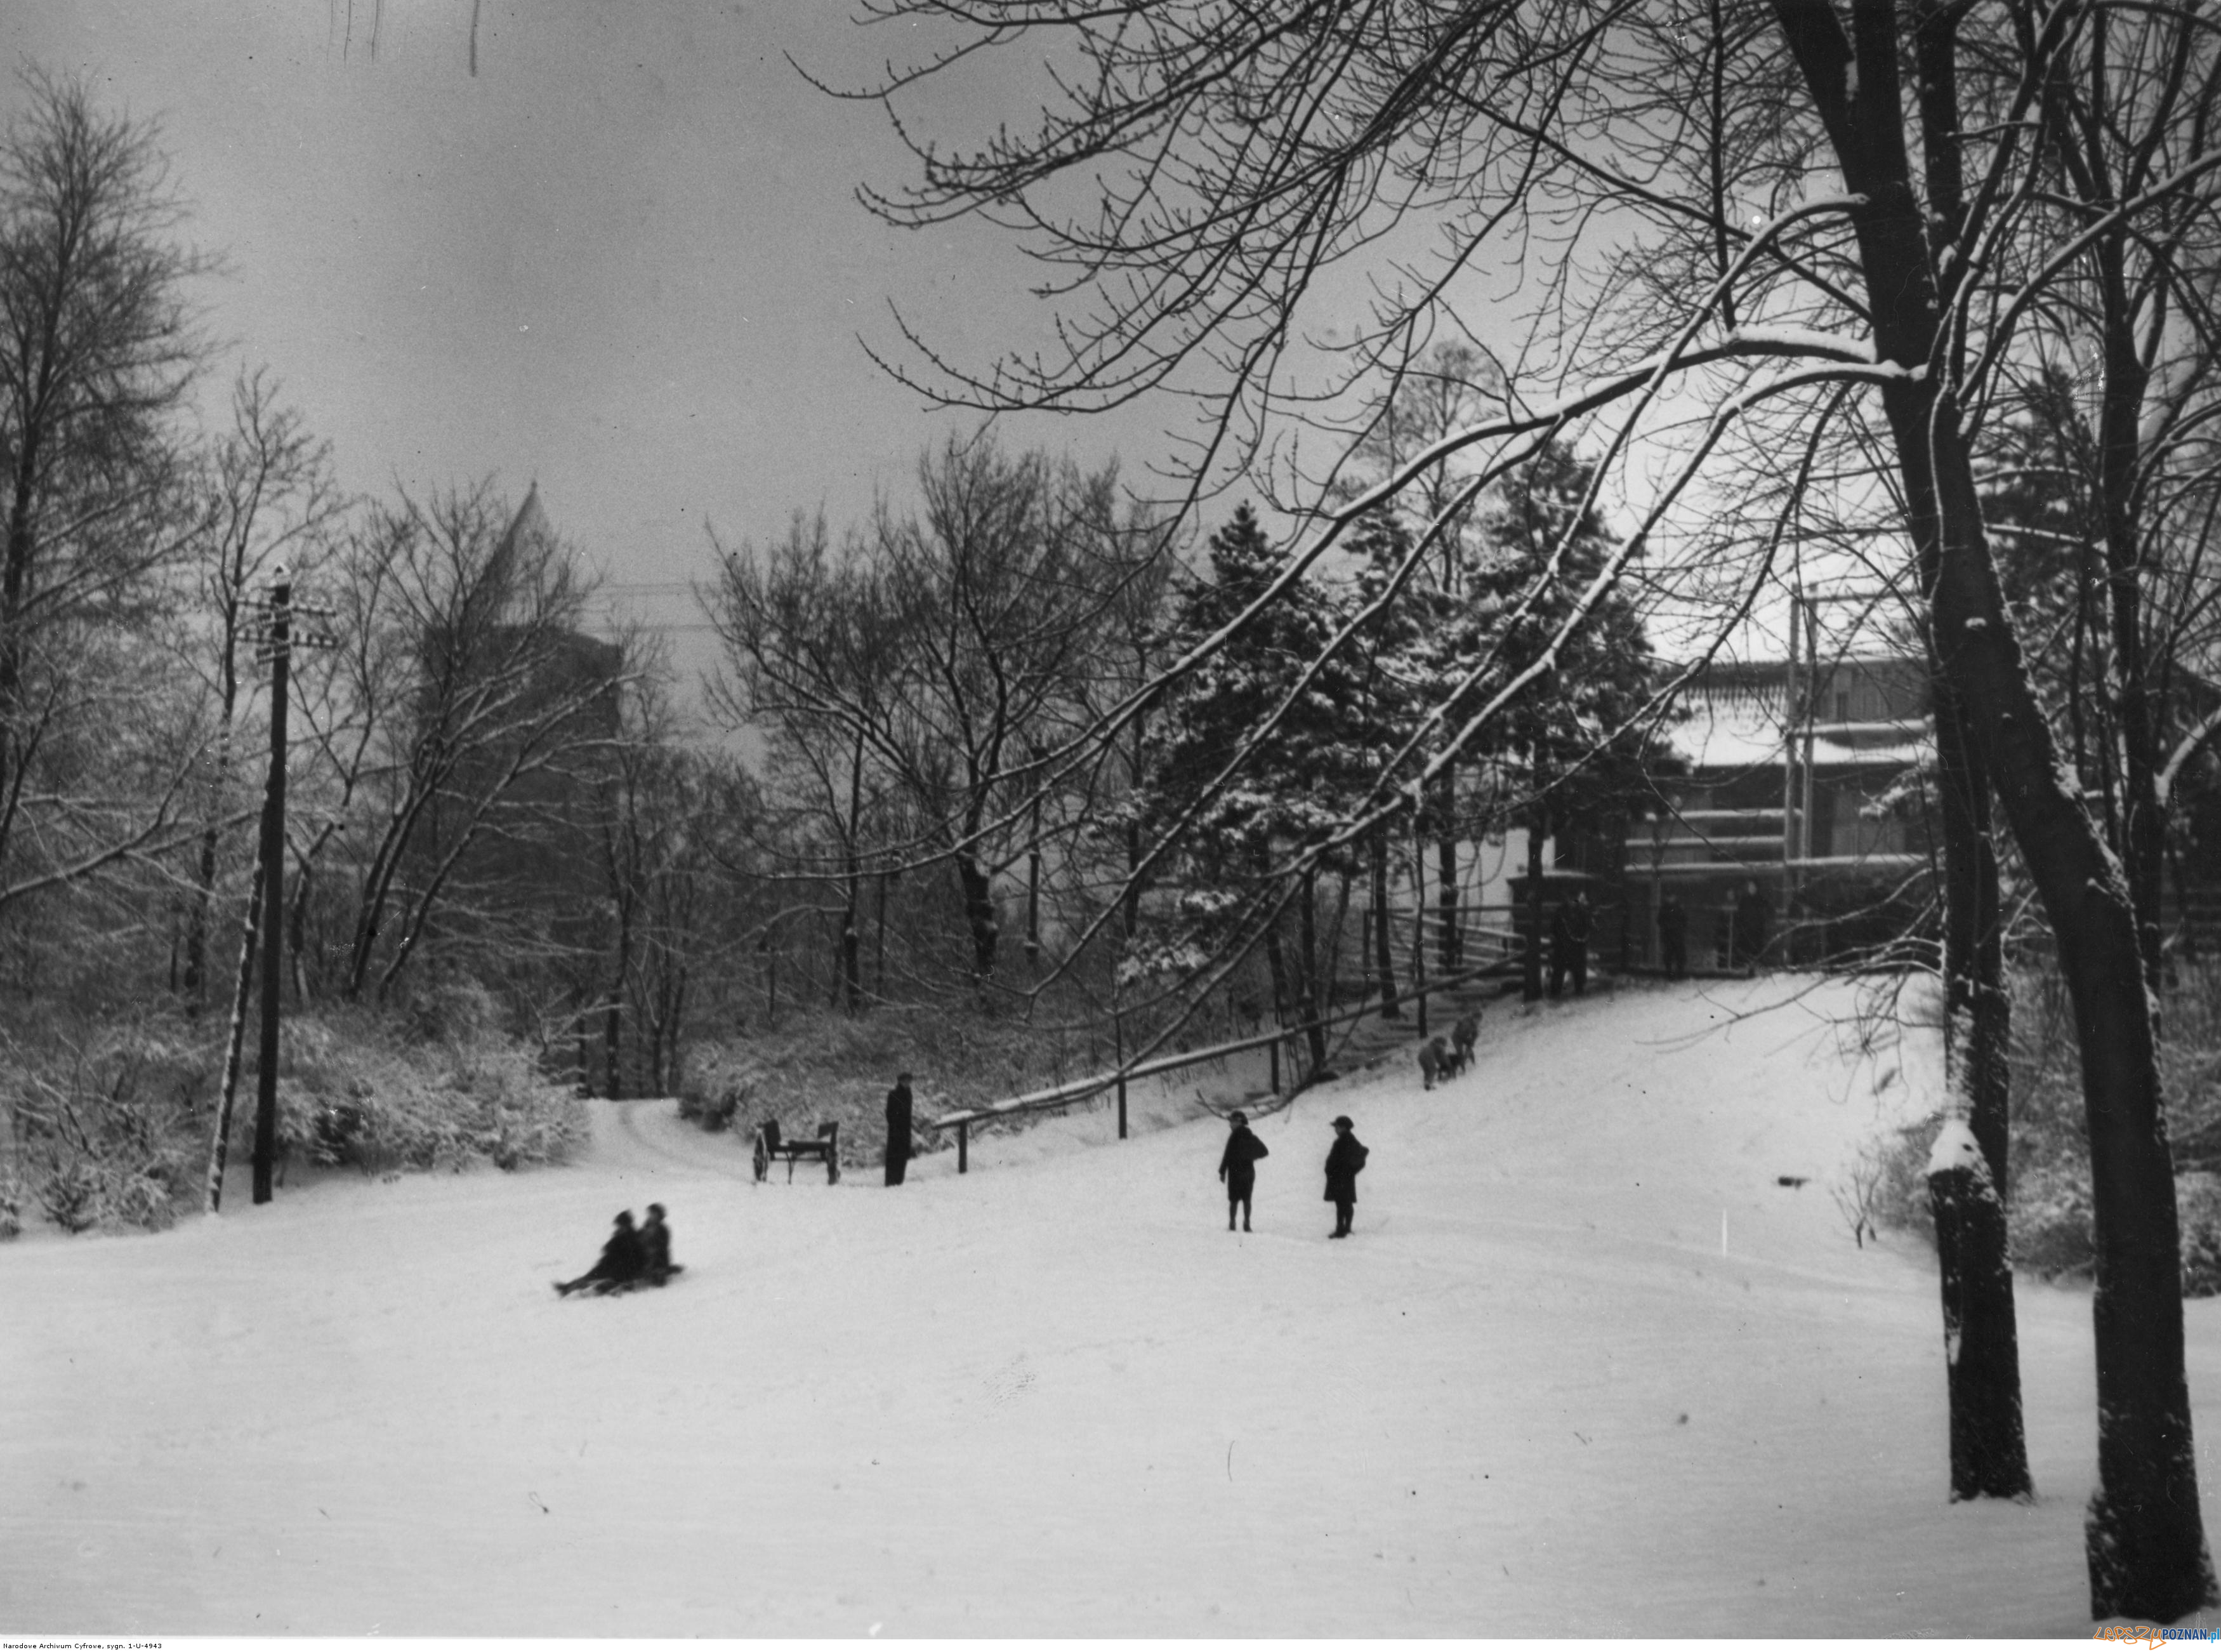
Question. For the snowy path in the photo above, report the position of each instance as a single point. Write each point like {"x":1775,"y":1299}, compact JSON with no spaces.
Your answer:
{"x":1530,"y":1397}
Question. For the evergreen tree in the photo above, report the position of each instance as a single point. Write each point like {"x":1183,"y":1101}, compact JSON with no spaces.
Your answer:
{"x":1292,"y":787}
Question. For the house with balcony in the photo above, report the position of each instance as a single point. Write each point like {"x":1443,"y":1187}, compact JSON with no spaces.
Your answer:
{"x":1797,"y":793}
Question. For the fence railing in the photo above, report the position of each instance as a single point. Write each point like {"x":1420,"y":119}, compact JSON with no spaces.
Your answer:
{"x":1078,"y":1090}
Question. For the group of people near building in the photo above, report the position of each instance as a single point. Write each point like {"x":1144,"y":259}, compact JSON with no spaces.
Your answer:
{"x":1237,"y":1168}
{"x":1748,"y":930}
{"x":1746,"y":933}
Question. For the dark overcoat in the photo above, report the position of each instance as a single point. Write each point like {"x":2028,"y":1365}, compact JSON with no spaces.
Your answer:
{"x":623,"y":1258}
{"x":1343,"y":1160}
{"x":655,"y":1248}
{"x":899,"y":1124}
{"x":1238,"y":1166}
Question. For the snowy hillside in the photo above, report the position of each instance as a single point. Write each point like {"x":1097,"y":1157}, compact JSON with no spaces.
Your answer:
{"x":1533,"y":1395}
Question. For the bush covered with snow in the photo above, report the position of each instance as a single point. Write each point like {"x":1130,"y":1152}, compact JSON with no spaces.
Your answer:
{"x":2050,"y":1220}
{"x":109,"y":1119}
{"x":102,"y":1117}
{"x":2050,"y":1215}
{"x":446,"y":1091}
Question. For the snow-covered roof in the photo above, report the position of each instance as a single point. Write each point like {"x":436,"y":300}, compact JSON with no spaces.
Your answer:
{"x":1734,"y":720}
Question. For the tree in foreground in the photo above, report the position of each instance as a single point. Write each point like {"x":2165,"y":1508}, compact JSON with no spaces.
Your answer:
{"x":97,"y":349}
{"x":1772,"y":215}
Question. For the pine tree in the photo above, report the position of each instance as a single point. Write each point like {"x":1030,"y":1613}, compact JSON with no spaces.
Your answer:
{"x":1292,"y":789}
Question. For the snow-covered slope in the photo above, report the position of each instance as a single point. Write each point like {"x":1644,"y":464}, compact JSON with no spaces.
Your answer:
{"x":1586,"y":1367}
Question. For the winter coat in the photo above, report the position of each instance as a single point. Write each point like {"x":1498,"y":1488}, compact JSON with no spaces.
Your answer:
{"x":1238,"y":1166}
{"x":1343,"y":1160}
{"x":655,"y":1248}
{"x":1569,"y":930}
{"x":623,"y":1258}
{"x":1754,"y":917}
{"x":899,"y":1124}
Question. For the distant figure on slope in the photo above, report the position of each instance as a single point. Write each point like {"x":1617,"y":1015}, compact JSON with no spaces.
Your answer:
{"x":1463,"y":1037}
{"x":1434,"y":1058}
{"x":898,"y":1127}
{"x":1569,"y":943}
{"x":656,"y":1265}
{"x":1754,"y":921}
{"x":1237,"y":1168}
{"x":1343,"y":1160}
{"x":618,"y":1269}
{"x":1672,"y":937}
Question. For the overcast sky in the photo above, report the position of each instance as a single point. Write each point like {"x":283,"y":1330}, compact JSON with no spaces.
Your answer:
{"x":625,"y":260}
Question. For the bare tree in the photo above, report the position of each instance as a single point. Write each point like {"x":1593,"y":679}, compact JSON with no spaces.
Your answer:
{"x":1006,"y":572}
{"x":477,"y":702}
{"x":271,"y":500}
{"x":97,"y":351}
{"x":814,"y":643}
{"x":913,"y":677}
{"x":1228,"y":155}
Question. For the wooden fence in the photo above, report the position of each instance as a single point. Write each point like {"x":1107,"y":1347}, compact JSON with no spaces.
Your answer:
{"x":1505,"y":945}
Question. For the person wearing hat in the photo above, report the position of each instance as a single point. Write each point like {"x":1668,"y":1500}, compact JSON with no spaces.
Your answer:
{"x":898,"y":1129}
{"x":1237,"y":1168}
{"x":620,"y":1265}
{"x":1343,"y":1160}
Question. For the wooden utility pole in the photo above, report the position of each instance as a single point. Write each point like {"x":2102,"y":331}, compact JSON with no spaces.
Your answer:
{"x":279,"y":648}
{"x":279,"y":643}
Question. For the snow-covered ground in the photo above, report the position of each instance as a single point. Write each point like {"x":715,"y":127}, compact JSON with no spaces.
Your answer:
{"x":1585,"y":1367}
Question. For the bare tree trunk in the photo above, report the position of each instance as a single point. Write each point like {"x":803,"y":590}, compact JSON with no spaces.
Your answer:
{"x":880,"y":944}
{"x":1531,"y":955}
{"x":1451,"y":942}
{"x":852,"y":960}
{"x":613,"y":1018}
{"x":1307,"y":1004}
{"x":196,"y":970}
{"x":1383,"y":954}
{"x":979,"y":913}
{"x":1418,"y":926}
{"x":235,"y":1046}
{"x":1989,"y":1452}
{"x":2145,"y":1535}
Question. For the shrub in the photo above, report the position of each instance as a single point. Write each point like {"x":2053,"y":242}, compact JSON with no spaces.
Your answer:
{"x":354,"y":1094}
{"x":2050,"y":1220}
{"x":11,"y":1211}
{"x":712,"y":1100}
{"x":106,"y":1116}
{"x":70,"y":1194}
{"x":1901,"y":1200}
{"x":142,"y":1200}
{"x":2198,"y":1200}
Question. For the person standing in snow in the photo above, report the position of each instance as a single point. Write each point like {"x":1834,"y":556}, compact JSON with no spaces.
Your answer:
{"x":1754,"y":921}
{"x":899,"y":1103}
{"x":1237,"y":1168}
{"x":1569,"y":944}
{"x":619,"y":1266}
{"x":1343,"y":1160}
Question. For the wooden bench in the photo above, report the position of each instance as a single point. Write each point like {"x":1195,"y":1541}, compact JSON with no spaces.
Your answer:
{"x":825,"y":1146}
